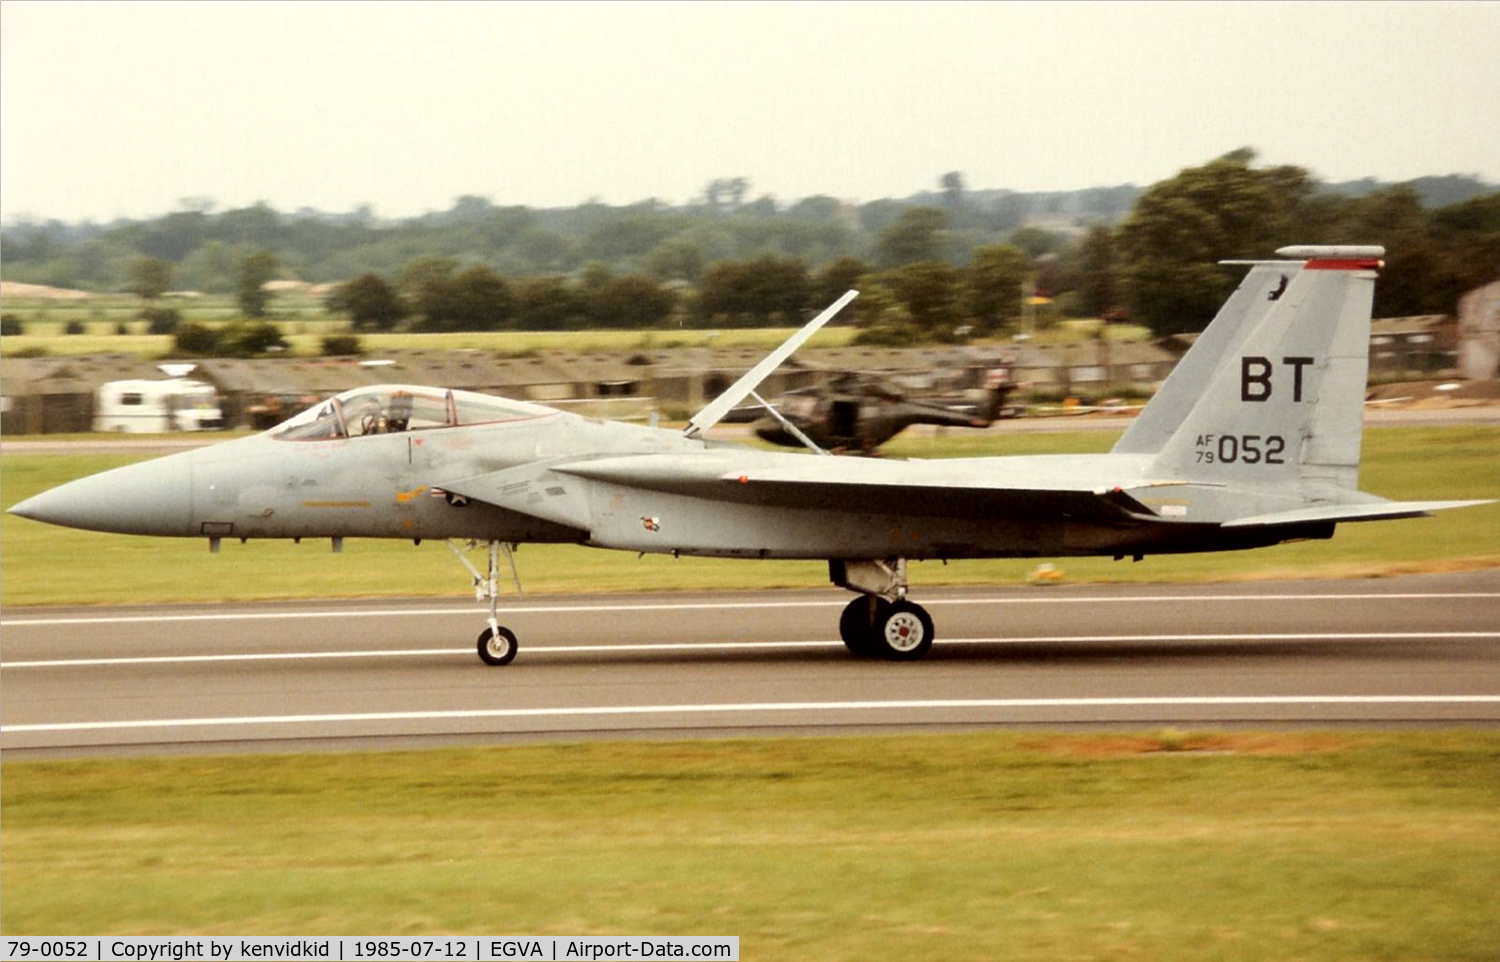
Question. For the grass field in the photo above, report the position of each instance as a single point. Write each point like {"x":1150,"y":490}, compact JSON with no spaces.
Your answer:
{"x":304,"y":322}
{"x":985,"y":846}
{"x":47,"y":565}
{"x":305,"y":338}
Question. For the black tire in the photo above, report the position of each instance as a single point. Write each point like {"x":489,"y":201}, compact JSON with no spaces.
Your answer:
{"x":857,"y":624}
{"x":497,"y":647}
{"x":903,"y":631}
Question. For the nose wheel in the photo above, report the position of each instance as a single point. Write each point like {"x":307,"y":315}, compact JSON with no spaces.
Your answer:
{"x":497,"y":646}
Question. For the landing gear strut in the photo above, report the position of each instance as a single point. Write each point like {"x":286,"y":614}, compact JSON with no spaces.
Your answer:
{"x":497,"y":644}
{"x":881,"y":622}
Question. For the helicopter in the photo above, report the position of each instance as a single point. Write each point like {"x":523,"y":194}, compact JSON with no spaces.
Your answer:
{"x":855,"y":413}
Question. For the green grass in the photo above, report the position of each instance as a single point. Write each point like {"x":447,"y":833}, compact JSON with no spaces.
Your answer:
{"x":305,"y":338}
{"x":48,"y":565}
{"x":304,"y":322}
{"x":1312,"y":847}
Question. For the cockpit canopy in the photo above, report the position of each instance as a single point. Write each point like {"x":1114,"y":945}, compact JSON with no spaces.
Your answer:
{"x":397,"y":408}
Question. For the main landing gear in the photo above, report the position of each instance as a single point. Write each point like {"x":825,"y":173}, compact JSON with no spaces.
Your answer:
{"x":497,"y":644}
{"x":881,"y":622}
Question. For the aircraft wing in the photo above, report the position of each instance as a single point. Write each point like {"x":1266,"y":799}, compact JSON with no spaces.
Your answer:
{"x":955,"y":488}
{"x":942,"y":488}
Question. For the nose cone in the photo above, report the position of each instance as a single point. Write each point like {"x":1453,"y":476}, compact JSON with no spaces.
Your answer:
{"x":155,"y":497}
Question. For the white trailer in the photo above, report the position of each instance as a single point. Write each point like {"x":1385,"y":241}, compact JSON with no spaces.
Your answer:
{"x":143,"y":406}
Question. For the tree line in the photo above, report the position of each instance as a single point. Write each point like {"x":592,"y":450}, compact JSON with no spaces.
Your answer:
{"x":921,"y":300}
{"x":651,"y":237}
{"x":947,"y":265}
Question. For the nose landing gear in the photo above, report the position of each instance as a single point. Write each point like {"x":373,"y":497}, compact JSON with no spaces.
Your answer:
{"x":497,"y":644}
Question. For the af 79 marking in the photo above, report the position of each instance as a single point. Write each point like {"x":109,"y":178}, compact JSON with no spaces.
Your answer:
{"x":1241,"y":448}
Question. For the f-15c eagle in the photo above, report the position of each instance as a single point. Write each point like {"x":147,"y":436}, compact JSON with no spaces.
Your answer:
{"x":1253,"y":440}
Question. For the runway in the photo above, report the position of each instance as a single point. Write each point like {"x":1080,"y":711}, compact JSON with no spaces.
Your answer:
{"x":1419,"y":650}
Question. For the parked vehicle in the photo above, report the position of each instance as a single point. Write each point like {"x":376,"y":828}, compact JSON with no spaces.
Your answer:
{"x":144,"y":407}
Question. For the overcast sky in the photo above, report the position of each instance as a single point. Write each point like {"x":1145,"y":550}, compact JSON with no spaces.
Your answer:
{"x":124,"y":109}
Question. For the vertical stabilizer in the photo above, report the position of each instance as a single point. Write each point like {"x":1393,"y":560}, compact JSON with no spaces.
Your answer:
{"x":1283,"y":405}
{"x":1247,"y":306}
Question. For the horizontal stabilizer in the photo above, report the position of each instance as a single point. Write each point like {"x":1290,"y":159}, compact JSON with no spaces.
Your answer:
{"x":1382,"y":511}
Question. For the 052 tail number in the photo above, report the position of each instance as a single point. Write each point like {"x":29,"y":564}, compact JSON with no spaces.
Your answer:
{"x":1241,"y":449}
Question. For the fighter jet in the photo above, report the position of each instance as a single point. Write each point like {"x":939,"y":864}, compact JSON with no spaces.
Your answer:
{"x":1253,"y":440}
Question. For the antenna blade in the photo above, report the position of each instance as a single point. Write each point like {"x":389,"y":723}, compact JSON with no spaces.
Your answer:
{"x":720,"y":406}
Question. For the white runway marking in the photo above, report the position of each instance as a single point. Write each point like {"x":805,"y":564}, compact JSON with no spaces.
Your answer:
{"x":521,"y":607}
{"x":534,"y":651}
{"x":764,"y":708}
